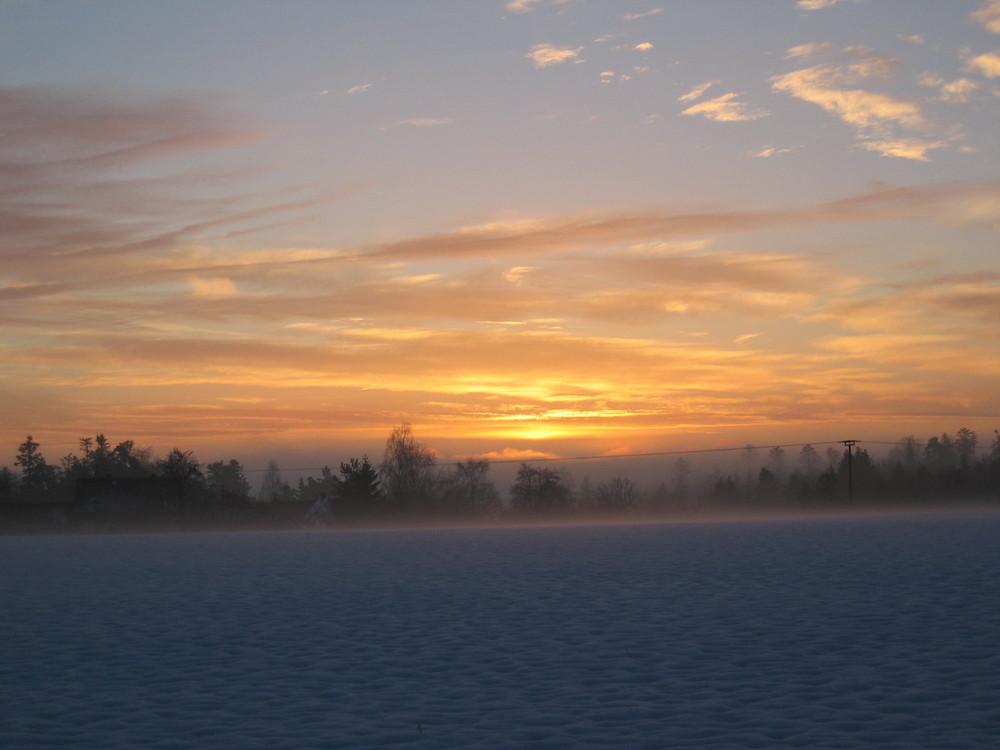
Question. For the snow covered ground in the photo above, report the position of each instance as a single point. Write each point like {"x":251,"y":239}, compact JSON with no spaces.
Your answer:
{"x":865,"y":633}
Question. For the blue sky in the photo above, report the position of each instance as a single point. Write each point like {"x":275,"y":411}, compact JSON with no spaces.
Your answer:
{"x":527,"y":228}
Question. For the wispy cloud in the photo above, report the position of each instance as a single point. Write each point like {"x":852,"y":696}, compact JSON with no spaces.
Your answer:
{"x":646,"y":14}
{"x":522,"y":6}
{"x":876,"y":117}
{"x":768,"y":151}
{"x":570,"y":319}
{"x":726,"y":108}
{"x":544,"y":55}
{"x":425,"y":122}
{"x":821,"y":4}
{"x":88,"y":177}
{"x":697,"y":91}
{"x":359,"y":89}
{"x":904,"y":148}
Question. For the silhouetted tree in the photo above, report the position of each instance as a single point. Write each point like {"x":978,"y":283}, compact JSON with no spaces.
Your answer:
{"x":227,"y":484}
{"x":939,"y":453}
{"x":183,"y":473}
{"x":357,"y":492}
{"x":99,"y":459}
{"x":131,"y":461}
{"x":618,"y":493}
{"x":832,"y":456}
{"x":776,"y":460}
{"x":311,"y":489}
{"x":827,"y":484}
{"x":273,"y":488}
{"x":468,"y":491}
{"x":538,"y":490}
{"x":681,"y":474}
{"x":965,"y":447}
{"x":809,"y":460}
{"x":865,"y":478}
{"x":993,"y":465}
{"x":38,"y":479}
{"x":6,"y":485}
{"x":407,"y":472}
{"x":799,"y":488}
{"x":724,"y":490}
{"x":767,"y":486}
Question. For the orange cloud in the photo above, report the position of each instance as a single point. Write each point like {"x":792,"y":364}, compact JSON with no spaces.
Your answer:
{"x":725,"y":108}
{"x":544,"y":55}
{"x":875,"y":116}
{"x":988,"y":15}
{"x":541,"y":327}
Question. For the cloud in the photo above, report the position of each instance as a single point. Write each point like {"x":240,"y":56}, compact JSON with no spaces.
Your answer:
{"x":116,"y":283}
{"x":544,"y":55}
{"x":359,"y":89}
{"x":768,"y":151}
{"x":522,"y":6}
{"x":876,"y":117}
{"x":213,"y":287}
{"x":958,"y":91}
{"x":904,"y":148}
{"x":697,"y":91}
{"x":97,"y":188}
{"x":643,"y":46}
{"x":947,"y":203}
{"x":988,"y":15}
{"x":425,"y":122}
{"x":637,"y":16}
{"x":515,"y":454}
{"x":726,"y":108}
{"x":820,"y":4}
{"x":987,"y":64}
{"x":812,"y":49}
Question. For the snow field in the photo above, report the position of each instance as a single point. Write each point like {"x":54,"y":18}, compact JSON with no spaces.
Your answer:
{"x":865,"y":633}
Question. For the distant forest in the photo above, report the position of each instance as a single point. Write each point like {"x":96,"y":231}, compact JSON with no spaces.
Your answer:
{"x":124,"y":487}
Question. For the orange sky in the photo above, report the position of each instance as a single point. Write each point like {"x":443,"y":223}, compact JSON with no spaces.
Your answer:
{"x":548,"y":228}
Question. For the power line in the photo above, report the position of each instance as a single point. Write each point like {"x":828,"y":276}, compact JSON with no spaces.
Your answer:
{"x":605,"y":457}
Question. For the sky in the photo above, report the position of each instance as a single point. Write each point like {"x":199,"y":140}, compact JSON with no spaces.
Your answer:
{"x":533,"y":228}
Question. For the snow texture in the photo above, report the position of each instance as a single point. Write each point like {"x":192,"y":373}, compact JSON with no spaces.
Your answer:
{"x":874,"y":633}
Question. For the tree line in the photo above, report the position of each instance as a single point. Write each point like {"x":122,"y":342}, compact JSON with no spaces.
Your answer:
{"x":117,"y":483}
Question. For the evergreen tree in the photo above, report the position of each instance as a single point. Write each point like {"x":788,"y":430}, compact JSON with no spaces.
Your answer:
{"x":38,"y":479}
{"x":357,"y":492}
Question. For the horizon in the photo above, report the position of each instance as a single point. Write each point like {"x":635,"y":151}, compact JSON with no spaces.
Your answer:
{"x":533,"y":229}
{"x":646,"y":471}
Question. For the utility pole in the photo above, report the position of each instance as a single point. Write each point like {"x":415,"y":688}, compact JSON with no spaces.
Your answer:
{"x":850,"y":473}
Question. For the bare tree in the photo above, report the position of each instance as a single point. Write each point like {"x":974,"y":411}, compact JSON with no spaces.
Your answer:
{"x":468,"y":490}
{"x":407,"y":472}
{"x":618,"y":493}
{"x":273,"y":487}
{"x":538,"y":490}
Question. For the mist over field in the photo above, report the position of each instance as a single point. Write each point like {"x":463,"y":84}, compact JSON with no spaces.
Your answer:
{"x":124,"y":488}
